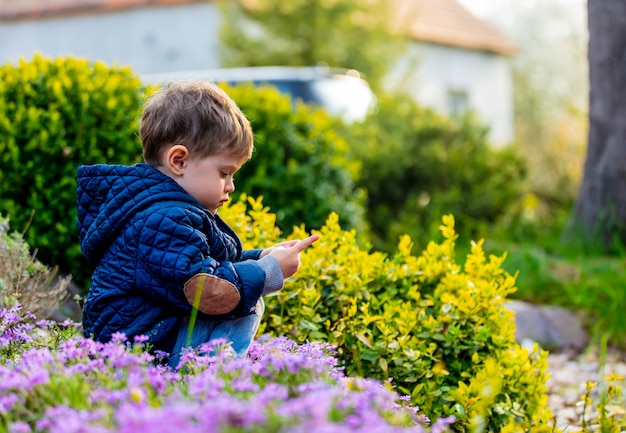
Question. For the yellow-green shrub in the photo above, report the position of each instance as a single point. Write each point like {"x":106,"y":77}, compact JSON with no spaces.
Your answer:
{"x":56,"y":114}
{"x":439,"y":330}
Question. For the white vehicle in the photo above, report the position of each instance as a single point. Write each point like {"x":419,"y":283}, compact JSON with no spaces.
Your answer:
{"x":341,"y":92}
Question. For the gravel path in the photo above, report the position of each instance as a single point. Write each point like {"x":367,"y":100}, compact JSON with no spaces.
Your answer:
{"x":567,"y":383}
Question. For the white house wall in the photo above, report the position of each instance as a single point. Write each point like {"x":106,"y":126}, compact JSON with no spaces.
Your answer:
{"x":158,"y":39}
{"x":429,"y":71}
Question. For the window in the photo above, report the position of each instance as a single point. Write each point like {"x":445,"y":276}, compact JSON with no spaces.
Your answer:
{"x":457,"y":102}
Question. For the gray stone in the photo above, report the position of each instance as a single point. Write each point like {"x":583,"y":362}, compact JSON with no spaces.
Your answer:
{"x":553,"y":328}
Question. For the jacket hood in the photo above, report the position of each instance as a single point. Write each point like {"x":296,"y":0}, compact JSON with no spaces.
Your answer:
{"x":108,"y":196}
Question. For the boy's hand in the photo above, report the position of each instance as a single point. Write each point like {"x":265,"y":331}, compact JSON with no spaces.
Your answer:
{"x":288,"y":254}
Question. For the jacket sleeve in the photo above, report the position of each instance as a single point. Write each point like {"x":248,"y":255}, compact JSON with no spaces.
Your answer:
{"x":251,"y":254}
{"x":175,"y":266}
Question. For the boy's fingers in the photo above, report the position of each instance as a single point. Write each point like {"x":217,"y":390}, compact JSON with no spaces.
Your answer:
{"x":305,"y":243}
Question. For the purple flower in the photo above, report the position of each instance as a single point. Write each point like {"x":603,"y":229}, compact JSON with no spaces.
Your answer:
{"x":180,"y":416}
{"x":6,"y":402}
{"x":118,"y":337}
{"x":140,"y":339}
{"x":442,"y":424}
{"x":63,"y":419}
{"x":13,"y":327}
{"x":19,"y":427}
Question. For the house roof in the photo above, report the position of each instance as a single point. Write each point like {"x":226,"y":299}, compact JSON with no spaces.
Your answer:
{"x":439,"y":21}
{"x":12,"y":10}
{"x":448,"y":22}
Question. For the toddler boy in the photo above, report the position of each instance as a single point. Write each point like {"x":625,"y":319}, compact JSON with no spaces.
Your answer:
{"x":154,"y":233}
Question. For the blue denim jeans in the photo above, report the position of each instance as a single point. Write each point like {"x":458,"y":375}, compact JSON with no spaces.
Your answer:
{"x":240,"y":332}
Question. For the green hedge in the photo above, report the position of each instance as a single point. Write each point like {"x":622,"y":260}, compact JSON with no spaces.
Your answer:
{"x":418,"y":166}
{"x":301,"y":165}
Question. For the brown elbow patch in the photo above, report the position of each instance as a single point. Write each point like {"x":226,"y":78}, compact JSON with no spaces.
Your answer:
{"x":211,"y":295}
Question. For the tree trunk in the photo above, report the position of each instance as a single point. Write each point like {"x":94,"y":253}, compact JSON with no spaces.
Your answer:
{"x":600,"y":211}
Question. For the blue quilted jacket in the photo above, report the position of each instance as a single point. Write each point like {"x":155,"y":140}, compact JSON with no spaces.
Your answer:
{"x":149,"y":237}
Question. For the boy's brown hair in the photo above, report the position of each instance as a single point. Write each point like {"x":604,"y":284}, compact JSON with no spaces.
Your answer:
{"x":198,"y":115}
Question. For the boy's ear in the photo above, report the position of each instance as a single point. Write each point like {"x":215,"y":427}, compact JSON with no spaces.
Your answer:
{"x":177,"y":158}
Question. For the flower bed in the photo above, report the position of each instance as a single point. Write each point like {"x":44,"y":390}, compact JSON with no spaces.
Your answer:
{"x":52,"y":380}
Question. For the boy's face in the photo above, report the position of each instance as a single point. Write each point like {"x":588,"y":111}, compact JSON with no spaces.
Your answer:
{"x":209,"y":180}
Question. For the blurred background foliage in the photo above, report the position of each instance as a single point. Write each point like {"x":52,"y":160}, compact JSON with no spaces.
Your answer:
{"x":418,"y":165}
{"x":354,"y":34}
{"x":301,"y":165}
